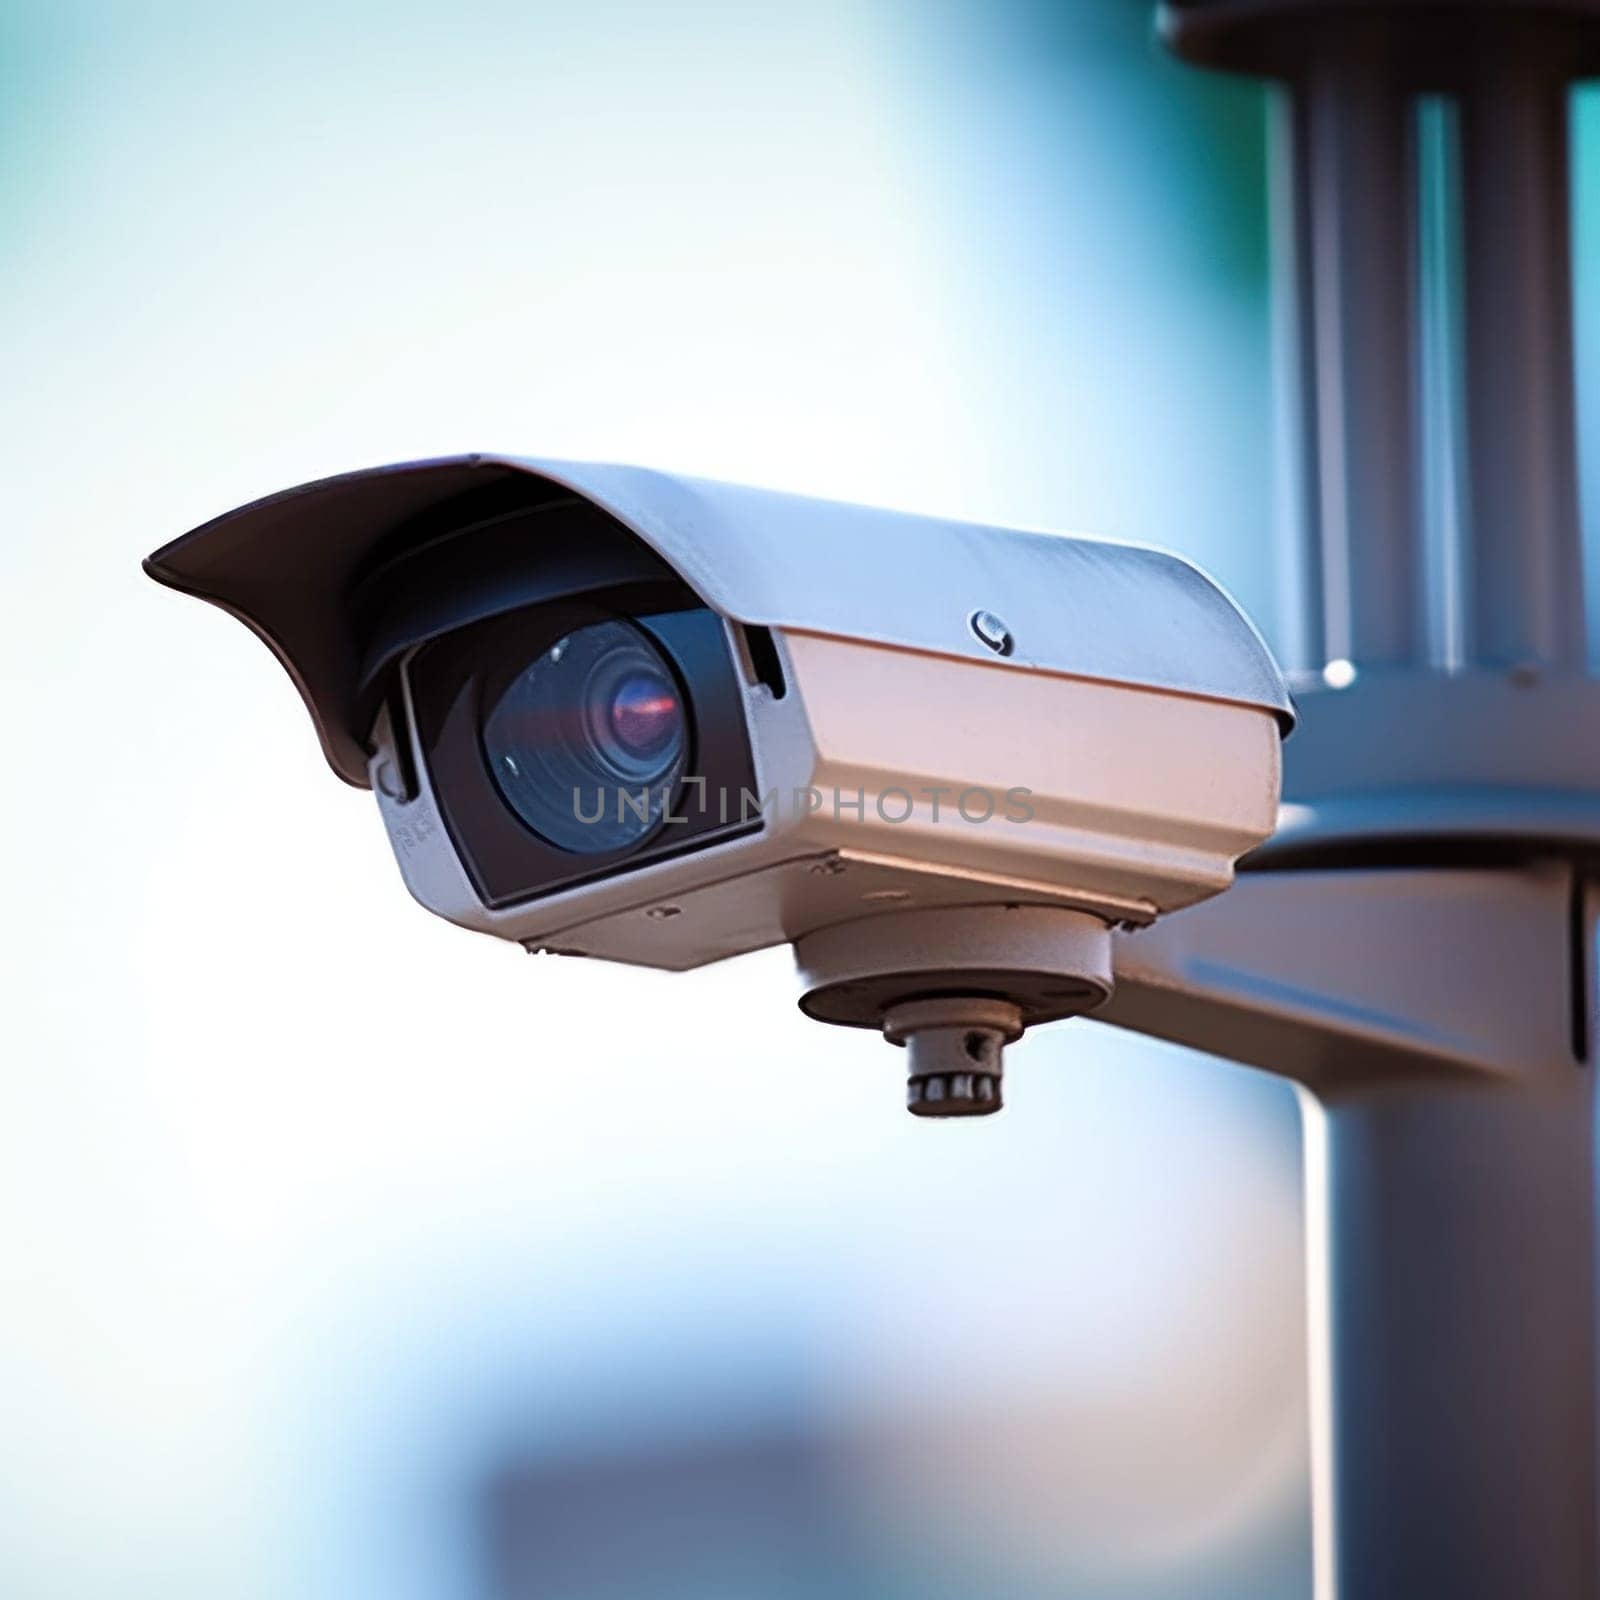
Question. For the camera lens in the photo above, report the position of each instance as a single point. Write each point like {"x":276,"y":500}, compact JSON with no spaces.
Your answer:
{"x":645,"y":716}
{"x":588,"y":743}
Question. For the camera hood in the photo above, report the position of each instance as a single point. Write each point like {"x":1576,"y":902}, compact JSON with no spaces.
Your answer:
{"x":294,"y":567}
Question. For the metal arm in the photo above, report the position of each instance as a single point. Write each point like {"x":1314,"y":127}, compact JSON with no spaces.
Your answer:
{"x":1438,"y":1024}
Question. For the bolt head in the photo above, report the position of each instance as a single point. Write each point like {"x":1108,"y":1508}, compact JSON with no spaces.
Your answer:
{"x":991,"y":631}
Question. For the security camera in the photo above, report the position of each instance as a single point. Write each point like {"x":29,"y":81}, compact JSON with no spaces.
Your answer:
{"x":615,"y":713}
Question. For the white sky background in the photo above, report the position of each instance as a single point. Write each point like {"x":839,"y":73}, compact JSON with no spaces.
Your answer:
{"x":308,"y":1201}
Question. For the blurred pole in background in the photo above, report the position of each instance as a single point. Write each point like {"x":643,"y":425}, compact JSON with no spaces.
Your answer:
{"x":1346,"y":136}
{"x":1415,"y":947}
{"x":1526,"y":609}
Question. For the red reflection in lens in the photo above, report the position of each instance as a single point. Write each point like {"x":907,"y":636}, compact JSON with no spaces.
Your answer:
{"x":644,"y":714}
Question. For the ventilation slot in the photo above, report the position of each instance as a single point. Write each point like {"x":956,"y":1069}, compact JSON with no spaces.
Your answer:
{"x":765,"y":665}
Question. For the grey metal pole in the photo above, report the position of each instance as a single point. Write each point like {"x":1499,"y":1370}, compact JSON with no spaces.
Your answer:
{"x":1452,"y":1262}
{"x":1525,"y":568}
{"x":1368,"y":586}
{"x":1352,"y":245}
{"x":1436,"y":1023}
{"x":1416,"y":946}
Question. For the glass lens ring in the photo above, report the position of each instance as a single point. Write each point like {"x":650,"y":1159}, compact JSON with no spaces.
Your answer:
{"x":588,"y":743}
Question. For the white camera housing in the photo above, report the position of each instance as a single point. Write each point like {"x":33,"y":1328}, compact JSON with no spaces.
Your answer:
{"x":940,"y":717}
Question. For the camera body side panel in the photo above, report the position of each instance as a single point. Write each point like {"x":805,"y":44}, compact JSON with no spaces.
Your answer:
{"x":891,"y":779}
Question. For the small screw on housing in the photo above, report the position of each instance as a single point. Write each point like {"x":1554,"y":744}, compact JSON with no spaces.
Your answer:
{"x":992,"y":632}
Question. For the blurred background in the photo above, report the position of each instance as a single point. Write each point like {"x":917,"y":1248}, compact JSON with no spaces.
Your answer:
{"x":345,"y":1255}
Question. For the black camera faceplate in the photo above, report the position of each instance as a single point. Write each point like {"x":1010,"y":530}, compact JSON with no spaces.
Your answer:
{"x":456,"y":677}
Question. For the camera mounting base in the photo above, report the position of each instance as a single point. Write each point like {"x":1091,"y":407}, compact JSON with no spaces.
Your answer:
{"x":955,"y":985}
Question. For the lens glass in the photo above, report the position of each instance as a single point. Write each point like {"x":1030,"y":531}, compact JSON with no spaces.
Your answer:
{"x":588,"y":743}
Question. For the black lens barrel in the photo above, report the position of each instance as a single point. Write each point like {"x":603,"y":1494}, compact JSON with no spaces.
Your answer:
{"x":588,"y":744}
